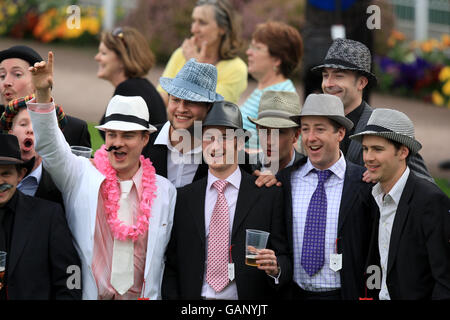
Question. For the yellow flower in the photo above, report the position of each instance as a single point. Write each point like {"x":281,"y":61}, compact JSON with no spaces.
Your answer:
{"x":91,"y":24}
{"x":11,"y":10}
{"x":446,"y":88}
{"x":437,"y":98}
{"x":444,"y":74}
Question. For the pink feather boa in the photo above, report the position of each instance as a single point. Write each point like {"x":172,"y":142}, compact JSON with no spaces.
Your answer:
{"x":111,"y":194}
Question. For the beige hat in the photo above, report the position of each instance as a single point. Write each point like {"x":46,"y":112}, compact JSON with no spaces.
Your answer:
{"x":324,"y":105}
{"x":276,"y":108}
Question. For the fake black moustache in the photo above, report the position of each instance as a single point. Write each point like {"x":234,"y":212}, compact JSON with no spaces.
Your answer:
{"x":112,"y":148}
{"x":5,"y":186}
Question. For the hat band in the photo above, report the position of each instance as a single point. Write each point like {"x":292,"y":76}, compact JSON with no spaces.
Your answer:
{"x":373,"y":127}
{"x":342,"y":63}
{"x":178,"y":82}
{"x":126,"y":118}
{"x":276,"y":114}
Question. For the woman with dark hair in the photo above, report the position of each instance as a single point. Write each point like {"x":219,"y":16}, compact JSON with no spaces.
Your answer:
{"x":124,"y":58}
{"x":215,"y":40}
{"x":274,"y":53}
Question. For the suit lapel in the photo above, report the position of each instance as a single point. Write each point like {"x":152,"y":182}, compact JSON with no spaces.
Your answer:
{"x":349,"y":193}
{"x":23,"y":222}
{"x":354,"y":149}
{"x":246,"y":199}
{"x":197,"y":207}
{"x":159,"y":159}
{"x":400,"y":218}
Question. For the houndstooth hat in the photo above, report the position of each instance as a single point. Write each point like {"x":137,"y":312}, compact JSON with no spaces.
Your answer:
{"x":392,"y":125}
{"x":349,"y":55}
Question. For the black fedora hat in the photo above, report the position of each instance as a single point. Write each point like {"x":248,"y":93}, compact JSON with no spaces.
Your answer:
{"x":227,"y":114}
{"x":22,"y":52}
{"x":10,"y":152}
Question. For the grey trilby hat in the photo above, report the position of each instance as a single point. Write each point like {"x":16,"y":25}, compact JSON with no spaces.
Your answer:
{"x":227,"y":114}
{"x":276,"y":108}
{"x":194,"y":82}
{"x":324,"y":105}
{"x":349,"y":55}
{"x":392,"y":125}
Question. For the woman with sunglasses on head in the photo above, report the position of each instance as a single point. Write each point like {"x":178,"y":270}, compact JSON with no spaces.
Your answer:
{"x":215,"y":40}
{"x":124,"y":58}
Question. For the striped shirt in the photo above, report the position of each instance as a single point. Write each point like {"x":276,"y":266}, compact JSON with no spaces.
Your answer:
{"x":304,"y":183}
{"x":251,"y":106}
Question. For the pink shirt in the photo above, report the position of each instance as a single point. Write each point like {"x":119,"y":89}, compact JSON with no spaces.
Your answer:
{"x":103,"y":249}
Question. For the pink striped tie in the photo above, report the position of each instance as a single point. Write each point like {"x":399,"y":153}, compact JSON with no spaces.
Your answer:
{"x":217,"y":267}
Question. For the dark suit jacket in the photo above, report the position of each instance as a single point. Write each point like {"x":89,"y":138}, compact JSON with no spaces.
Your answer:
{"x":41,"y":251}
{"x":355,"y":224}
{"x":158,"y":156}
{"x":355,"y":154}
{"x":76,"y":132}
{"x":298,"y":156}
{"x":47,"y":189}
{"x":256,"y":208}
{"x":419,"y":249}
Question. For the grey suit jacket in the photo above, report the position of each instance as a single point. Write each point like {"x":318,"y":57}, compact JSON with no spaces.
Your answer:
{"x":354,"y":152}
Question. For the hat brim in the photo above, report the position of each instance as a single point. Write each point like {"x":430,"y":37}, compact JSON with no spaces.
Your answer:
{"x":370,"y":76}
{"x":183,"y":93}
{"x":347,"y":123}
{"x":272,"y":122}
{"x":13,"y":161}
{"x":125,"y":126}
{"x":413,"y":145}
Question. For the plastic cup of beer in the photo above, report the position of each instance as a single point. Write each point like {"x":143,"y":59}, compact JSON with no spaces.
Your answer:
{"x":2,"y":267}
{"x":255,"y":240}
{"x":81,"y":151}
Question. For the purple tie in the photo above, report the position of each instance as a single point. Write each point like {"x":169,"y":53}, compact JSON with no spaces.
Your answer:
{"x":313,"y":250}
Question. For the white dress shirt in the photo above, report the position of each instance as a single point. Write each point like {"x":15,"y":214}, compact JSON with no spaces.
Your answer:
{"x":388,"y":204}
{"x":231,"y":194}
{"x":30,"y":183}
{"x":181,"y":167}
{"x":304,"y":183}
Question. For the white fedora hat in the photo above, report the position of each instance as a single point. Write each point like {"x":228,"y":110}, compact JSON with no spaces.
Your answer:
{"x":127,"y":114}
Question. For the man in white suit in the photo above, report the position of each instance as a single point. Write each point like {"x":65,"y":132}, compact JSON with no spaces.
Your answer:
{"x":120,"y":212}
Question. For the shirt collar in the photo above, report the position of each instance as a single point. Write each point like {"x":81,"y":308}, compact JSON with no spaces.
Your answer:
{"x":36,"y":173}
{"x":338,"y":168}
{"x":163,"y":138}
{"x":396,"y":192}
{"x":234,"y":178}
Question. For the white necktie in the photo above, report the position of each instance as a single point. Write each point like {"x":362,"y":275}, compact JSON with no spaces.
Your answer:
{"x":122,"y":270}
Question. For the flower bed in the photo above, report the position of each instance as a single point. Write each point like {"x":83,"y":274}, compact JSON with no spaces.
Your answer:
{"x":49,"y":21}
{"x":420,"y":70}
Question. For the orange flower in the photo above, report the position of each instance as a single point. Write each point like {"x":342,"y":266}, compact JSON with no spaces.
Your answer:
{"x":397,"y":35}
{"x":445,"y":40}
{"x":391,"y":42}
{"x":426,"y":46}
